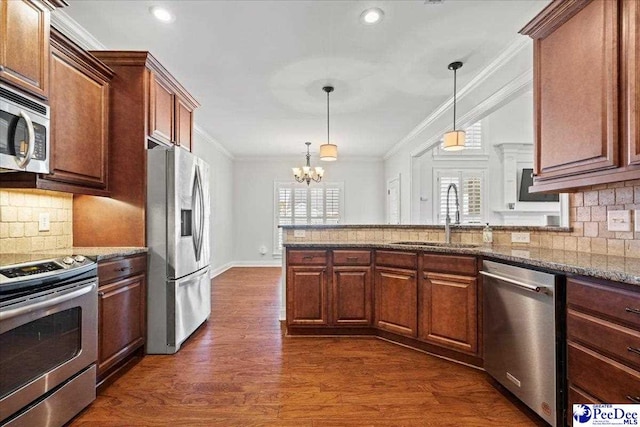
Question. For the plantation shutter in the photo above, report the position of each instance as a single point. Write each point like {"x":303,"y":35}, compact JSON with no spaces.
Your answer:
{"x":295,"y":204}
{"x":470,"y":195}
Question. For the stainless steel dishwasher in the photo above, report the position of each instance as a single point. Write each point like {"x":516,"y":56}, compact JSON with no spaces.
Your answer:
{"x":523,"y":318}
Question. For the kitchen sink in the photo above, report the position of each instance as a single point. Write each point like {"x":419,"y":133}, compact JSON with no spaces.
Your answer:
{"x":438,"y":244}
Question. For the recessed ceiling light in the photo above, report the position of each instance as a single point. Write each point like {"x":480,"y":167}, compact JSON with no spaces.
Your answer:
{"x":371,"y":16}
{"x":162,"y":14}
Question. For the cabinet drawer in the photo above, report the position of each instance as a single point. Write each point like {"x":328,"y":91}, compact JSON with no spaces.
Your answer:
{"x":595,"y":374}
{"x":341,"y":257}
{"x":123,"y":267}
{"x":613,"y":302}
{"x":397,"y":259}
{"x":305,"y":257}
{"x":451,"y":264}
{"x":614,"y":340}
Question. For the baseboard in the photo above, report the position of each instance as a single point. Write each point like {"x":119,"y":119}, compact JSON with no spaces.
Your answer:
{"x":218,"y":271}
{"x":270,"y":263}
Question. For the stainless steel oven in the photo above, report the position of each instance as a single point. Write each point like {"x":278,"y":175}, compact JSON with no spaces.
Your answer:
{"x":24,"y":133}
{"x":48,"y":340}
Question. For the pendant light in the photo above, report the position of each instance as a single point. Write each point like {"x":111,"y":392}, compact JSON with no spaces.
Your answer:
{"x":454,"y":140}
{"x":328,"y":151}
{"x":306,"y":173}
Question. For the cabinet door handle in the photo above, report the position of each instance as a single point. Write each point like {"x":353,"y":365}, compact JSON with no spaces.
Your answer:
{"x":352,"y":258}
{"x":307,"y":257}
{"x":634,"y":350}
{"x":632,"y":310}
{"x":122,"y":269}
{"x":634,"y":399}
{"x":100,"y":294}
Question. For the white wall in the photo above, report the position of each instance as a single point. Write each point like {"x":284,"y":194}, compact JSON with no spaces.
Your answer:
{"x":364,"y":187}
{"x":221,"y":188}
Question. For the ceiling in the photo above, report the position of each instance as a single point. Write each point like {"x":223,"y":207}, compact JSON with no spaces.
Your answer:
{"x":258,"y":67}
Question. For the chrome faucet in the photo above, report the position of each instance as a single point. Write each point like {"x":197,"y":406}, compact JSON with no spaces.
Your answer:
{"x":447,"y":221}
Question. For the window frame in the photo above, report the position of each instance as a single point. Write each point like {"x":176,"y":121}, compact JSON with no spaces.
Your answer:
{"x":277,"y":185}
{"x":461,"y":173}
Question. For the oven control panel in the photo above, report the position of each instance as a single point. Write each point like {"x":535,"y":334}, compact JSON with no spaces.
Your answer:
{"x":29,"y":270}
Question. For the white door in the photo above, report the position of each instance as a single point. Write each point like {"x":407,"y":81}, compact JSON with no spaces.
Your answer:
{"x":393,"y":201}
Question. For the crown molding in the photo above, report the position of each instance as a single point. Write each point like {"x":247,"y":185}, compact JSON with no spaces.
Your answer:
{"x":503,"y":58}
{"x":503,"y":96}
{"x":290,"y":158}
{"x":76,"y":32}
{"x":211,"y":140}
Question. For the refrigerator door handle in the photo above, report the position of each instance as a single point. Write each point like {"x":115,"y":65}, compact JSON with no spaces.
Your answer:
{"x":197,"y":206}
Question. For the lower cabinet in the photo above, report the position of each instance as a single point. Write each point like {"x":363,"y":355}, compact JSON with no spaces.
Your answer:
{"x":307,"y":299}
{"x":448,"y":311}
{"x":351,"y":291}
{"x":396,"y":300}
{"x":121,"y":313}
{"x":603,"y":342}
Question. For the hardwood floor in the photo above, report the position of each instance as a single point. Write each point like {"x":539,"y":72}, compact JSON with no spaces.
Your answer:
{"x":239,"y":370}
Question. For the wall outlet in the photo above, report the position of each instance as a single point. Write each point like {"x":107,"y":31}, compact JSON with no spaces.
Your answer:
{"x":299,"y":233}
{"x":520,"y":237}
{"x":44,"y":222}
{"x":263,"y":250}
{"x":619,"y":220}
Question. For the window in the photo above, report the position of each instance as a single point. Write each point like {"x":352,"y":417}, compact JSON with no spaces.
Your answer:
{"x":470,"y":184}
{"x":472,"y":145}
{"x":301,"y":204}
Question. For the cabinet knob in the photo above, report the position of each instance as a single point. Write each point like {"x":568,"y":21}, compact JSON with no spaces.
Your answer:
{"x":100,"y":294}
{"x":632,"y":310}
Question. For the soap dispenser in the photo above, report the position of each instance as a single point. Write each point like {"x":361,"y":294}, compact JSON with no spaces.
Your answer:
{"x":487,"y":235}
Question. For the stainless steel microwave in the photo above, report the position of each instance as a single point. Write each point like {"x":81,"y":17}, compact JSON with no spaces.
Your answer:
{"x":24,"y":133}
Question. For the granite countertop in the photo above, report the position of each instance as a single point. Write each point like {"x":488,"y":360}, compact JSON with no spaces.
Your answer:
{"x":620,"y":269}
{"x":425,"y":227}
{"x":95,"y":253}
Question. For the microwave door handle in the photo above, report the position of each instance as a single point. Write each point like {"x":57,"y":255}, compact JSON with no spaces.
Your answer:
{"x":31,"y":142}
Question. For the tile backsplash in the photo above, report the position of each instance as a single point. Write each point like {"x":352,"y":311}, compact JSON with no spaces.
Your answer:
{"x":588,"y":218}
{"x":19,"y":215}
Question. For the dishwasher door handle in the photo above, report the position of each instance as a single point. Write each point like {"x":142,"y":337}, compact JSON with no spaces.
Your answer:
{"x":526,"y":286}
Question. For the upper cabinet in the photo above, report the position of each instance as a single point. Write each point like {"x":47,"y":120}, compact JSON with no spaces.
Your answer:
{"x":79,"y":129}
{"x":169,"y":119}
{"x":585,"y":93}
{"x":24,"y":44}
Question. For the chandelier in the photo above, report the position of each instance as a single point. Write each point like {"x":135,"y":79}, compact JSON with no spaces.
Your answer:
{"x":305,"y":173}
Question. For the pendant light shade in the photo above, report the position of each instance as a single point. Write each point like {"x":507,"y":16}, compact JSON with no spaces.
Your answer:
{"x":328,"y":151}
{"x":454,"y":140}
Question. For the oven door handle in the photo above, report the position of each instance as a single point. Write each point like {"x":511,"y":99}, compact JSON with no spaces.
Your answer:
{"x":64,"y":297}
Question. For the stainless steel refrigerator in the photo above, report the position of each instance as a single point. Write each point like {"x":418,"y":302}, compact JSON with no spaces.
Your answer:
{"x":178,"y":211}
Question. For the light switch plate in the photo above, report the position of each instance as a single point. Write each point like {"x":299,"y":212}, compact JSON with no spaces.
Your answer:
{"x":521,"y":237}
{"x":299,"y":233}
{"x":44,"y":222}
{"x":619,"y":220}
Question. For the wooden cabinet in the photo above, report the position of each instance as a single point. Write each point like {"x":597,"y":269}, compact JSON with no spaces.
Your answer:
{"x":121,"y":313}
{"x":307,"y":288}
{"x":584,"y":135}
{"x":170,"y":115}
{"x":136,"y":122}
{"x":24,"y":46}
{"x":448,"y":302}
{"x":396,"y":300}
{"x":351,"y":288}
{"x":79,"y":132}
{"x":603,"y":342}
